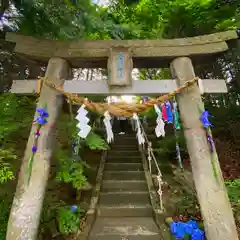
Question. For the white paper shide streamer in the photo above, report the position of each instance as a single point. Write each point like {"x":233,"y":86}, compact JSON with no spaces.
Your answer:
{"x":83,"y":122}
{"x":108,"y":127}
{"x":200,"y":85}
{"x":159,"y":130}
{"x":140,"y":137}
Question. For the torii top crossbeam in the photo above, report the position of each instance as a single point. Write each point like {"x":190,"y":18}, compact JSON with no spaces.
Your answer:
{"x":145,"y":53}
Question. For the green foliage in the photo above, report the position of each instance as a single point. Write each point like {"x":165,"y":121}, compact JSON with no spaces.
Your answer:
{"x":96,"y":142}
{"x":68,"y":221}
{"x":11,"y":120}
{"x":168,"y":144}
{"x":6,"y":174}
{"x":233,"y":188}
{"x":12,"y":125}
{"x":49,"y":215}
{"x":5,"y":205}
{"x":149,"y":114}
{"x":6,"y":170}
{"x":123,"y":19}
{"x":186,"y":205}
{"x":62,"y":20}
{"x":226,"y":118}
{"x":71,"y":171}
{"x":93,"y":141}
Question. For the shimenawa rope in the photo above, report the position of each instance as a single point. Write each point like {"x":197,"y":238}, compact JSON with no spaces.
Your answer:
{"x":118,"y":109}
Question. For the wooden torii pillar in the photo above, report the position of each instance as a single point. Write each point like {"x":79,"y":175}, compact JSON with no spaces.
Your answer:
{"x":121,"y":56}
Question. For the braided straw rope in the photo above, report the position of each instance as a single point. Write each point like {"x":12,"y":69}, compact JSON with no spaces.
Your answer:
{"x":119,"y":109}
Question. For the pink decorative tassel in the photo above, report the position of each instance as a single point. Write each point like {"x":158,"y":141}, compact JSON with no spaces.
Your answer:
{"x":164,"y":112}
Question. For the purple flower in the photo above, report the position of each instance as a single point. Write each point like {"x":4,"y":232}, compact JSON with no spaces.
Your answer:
{"x":211,"y":142}
{"x":34,"y":149}
{"x":42,"y":112}
{"x":204,"y":119}
{"x":41,"y":120}
{"x":145,"y":99}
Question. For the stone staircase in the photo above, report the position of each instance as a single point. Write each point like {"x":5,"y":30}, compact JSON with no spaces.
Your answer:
{"x":124,"y":209}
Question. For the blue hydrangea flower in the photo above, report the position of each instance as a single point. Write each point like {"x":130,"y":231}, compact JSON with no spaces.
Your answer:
{"x":190,"y":226}
{"x":74,"y":208}
{"x":178,"y":230}
{"x":198,"y":234}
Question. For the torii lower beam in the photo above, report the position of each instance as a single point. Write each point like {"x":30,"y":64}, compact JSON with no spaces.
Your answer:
{"x":100,"y":87}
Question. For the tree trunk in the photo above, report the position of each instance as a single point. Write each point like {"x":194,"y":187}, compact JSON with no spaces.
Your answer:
{"x":26,"y":209}
{"x":215,"y":206}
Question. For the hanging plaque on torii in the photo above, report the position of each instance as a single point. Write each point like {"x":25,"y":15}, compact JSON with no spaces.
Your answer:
{"x":120,"y":67}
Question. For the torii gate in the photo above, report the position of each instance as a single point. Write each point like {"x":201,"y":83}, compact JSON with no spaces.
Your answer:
{"x":120,"y":57}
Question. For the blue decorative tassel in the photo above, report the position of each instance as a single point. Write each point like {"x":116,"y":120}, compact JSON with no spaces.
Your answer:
{"x":169,"y":112}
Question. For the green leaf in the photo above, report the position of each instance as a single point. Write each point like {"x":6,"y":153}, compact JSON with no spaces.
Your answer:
{"x":96,"y":142}
{"x":68,"y":221}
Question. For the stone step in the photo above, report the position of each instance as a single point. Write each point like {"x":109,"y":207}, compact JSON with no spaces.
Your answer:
{"x":116,"y":198}
{"x":124,"y":167}
{"x":121,"y":210}
{"x":127,"y":135}
{"x":125,"y":229}
{"x":150,"y":134}
{"x":126,"y":140}
{"x":123,"y":153}
{"x":116,"y":147}
{"x":124,"y":159}
{"x":131,"y":142}
{"x":113,"y":185}
{"x":127,"y":175}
